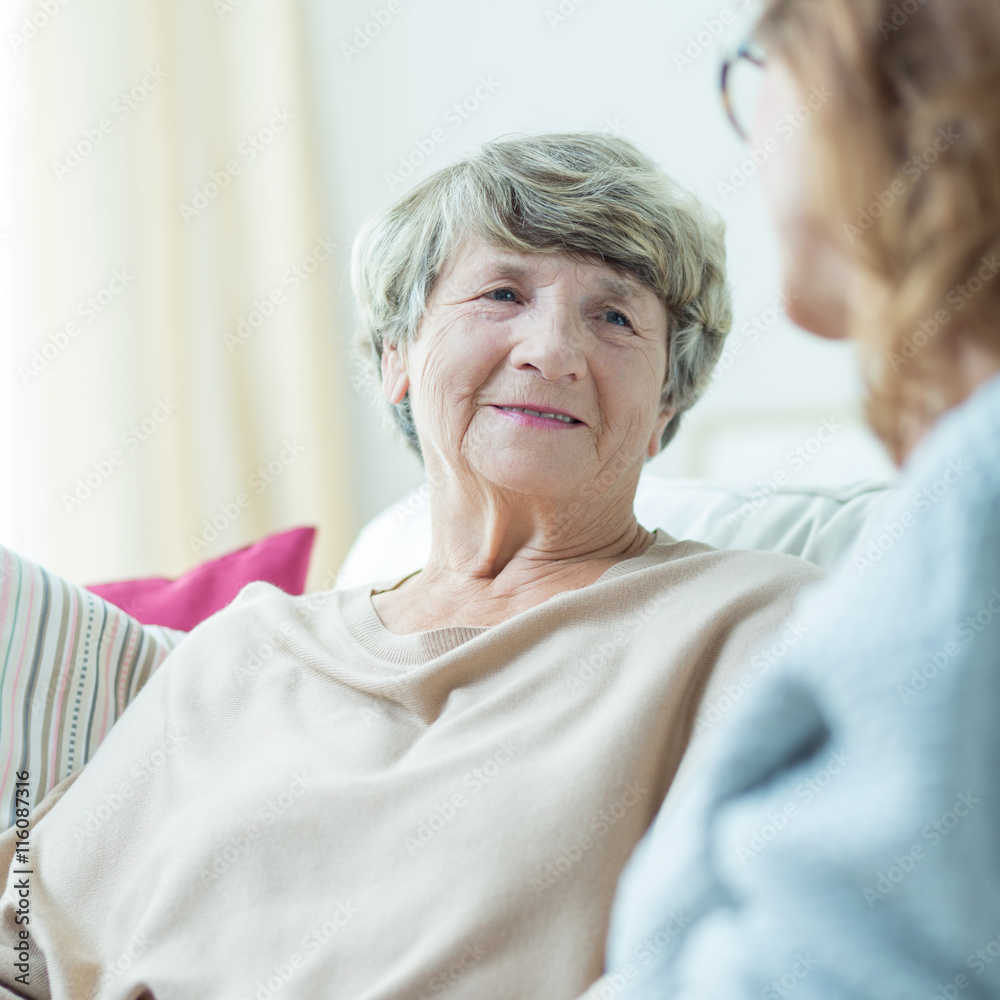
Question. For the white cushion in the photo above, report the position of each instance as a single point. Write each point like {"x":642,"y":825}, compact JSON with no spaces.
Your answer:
{"x":813,"y":523}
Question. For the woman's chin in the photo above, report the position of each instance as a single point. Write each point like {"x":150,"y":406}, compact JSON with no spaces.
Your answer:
{"x":823,"y":319}
{"x":818,"y":281}
{"x":539,"y":477}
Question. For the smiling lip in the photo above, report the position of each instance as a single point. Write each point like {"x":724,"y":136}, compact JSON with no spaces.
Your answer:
{"x":539,"y":409}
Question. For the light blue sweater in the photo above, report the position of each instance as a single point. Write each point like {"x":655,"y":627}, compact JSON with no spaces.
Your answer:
{"x":842,"y":838}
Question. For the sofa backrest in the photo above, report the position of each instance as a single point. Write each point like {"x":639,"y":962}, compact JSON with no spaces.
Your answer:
{"x":814,"y":523}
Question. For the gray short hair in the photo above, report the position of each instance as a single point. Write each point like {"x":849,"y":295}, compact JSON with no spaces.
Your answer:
{"x":588,"y":194}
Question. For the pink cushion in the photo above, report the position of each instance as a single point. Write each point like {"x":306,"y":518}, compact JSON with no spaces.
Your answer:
{"x":281,"y":559}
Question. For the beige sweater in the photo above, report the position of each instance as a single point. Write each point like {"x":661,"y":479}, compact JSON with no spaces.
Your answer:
{"x":303,"y":804}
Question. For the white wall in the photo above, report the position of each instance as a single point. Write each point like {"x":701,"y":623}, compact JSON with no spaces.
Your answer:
{"x":583,"y":64}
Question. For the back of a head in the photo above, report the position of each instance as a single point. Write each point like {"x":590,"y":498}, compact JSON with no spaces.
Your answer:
{"x":905,"y":173}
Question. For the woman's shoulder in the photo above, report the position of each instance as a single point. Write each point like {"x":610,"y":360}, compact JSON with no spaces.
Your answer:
{"x":225,"y":650}
{"x":692,"y":557}
{"x":737,"y":583}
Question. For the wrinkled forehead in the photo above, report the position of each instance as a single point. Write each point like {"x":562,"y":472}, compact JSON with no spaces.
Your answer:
{"x":473,"y":261}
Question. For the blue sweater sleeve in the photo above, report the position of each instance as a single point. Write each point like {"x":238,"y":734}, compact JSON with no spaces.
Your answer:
{"x":842,"y":839}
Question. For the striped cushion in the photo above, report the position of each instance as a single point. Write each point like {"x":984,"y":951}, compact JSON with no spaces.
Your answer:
{"x":69,"y":664}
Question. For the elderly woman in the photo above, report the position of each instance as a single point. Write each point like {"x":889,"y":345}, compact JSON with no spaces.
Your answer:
{"x":842,"y":839}
{"x":432,"y":784}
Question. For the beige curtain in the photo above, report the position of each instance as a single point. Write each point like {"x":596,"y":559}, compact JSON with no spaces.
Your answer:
{"x":173,"y":381}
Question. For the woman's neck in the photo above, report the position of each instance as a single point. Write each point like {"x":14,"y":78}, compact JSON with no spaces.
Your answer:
{"x":509,"y":540}
{"x":442,"y":595}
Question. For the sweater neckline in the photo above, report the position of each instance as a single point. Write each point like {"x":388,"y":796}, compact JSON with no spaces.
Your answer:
{"x":416,"y":648}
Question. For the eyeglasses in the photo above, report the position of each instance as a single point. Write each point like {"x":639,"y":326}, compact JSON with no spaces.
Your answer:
{"x":739,"y":83}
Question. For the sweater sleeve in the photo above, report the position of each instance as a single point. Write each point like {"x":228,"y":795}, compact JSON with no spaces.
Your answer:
{"x":840,"y":838}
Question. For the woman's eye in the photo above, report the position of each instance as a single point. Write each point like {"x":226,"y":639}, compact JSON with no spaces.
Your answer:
{"x":617,"y":318}
{"x":502,"y":295}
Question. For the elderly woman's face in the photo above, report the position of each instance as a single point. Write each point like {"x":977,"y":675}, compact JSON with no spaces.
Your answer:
{"x":504,"y":332}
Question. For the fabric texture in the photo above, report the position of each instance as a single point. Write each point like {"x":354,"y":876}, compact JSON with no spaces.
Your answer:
{"x":813,"y":523}
{"x":281,"y":559}
{"x":70,"y":663}
{"x":302,"y":801}
{"x":840,"y":840}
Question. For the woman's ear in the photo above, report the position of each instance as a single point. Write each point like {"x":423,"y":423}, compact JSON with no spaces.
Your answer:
{"x":666,"y":415}
{"x":395,"y":380}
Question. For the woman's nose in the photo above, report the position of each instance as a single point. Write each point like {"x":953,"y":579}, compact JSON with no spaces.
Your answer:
{"x":552,"y":338}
